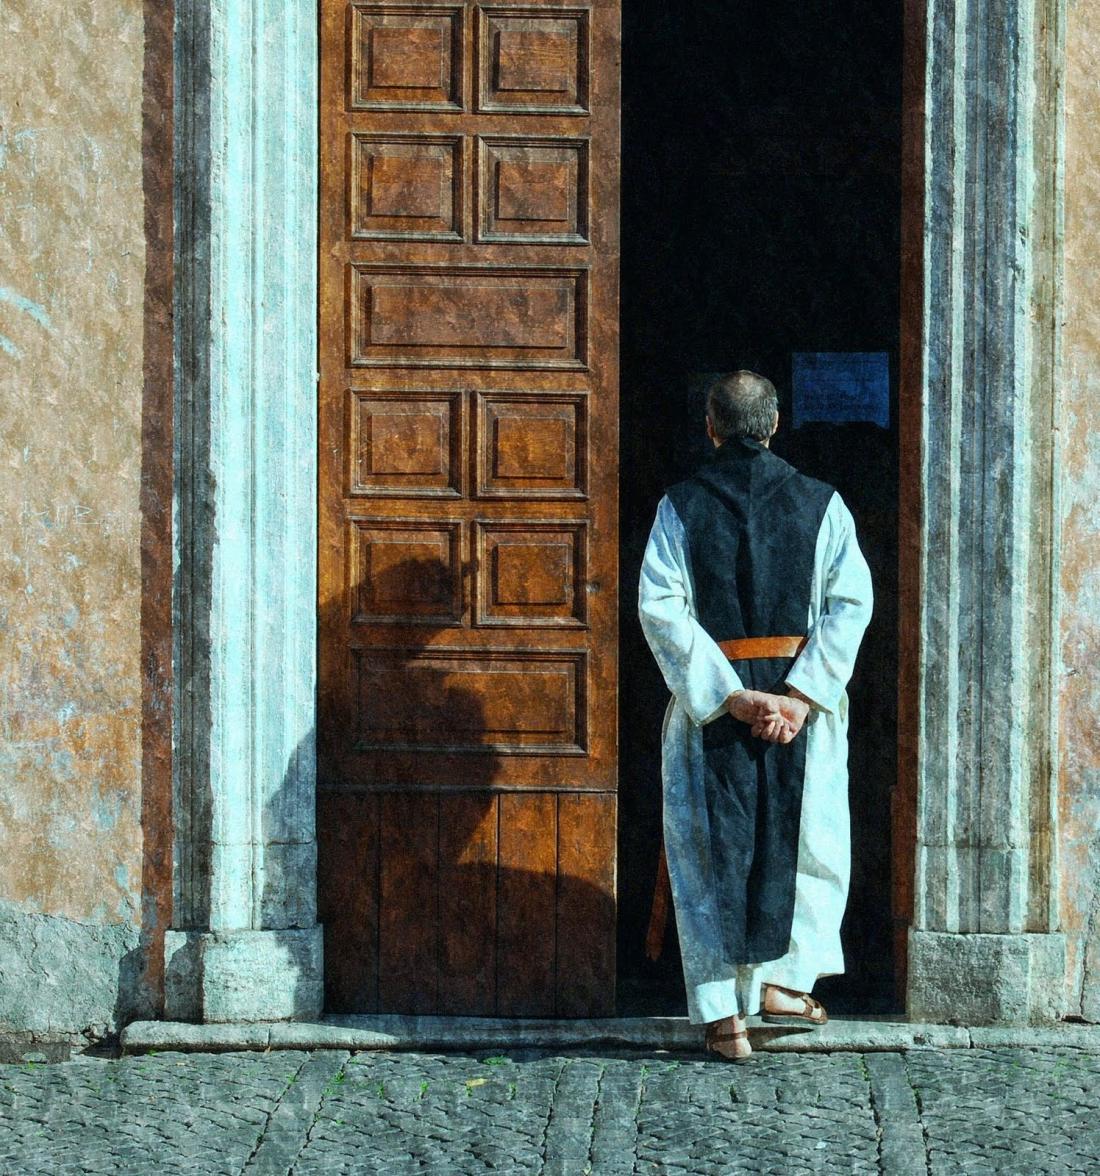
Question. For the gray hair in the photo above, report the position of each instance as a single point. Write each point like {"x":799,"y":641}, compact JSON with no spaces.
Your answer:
{"x":742,"y":404}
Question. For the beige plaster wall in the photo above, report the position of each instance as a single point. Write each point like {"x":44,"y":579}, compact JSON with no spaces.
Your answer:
{"x":1079,"y":439}
{"x":72,"y":260}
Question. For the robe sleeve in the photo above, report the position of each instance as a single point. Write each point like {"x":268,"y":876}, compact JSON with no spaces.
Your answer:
{"x":823,"y":669}
{"x":696,"y":671}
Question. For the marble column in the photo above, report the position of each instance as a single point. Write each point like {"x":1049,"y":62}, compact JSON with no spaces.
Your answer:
{"x":984,"y":945}
{"x":245,"y":943}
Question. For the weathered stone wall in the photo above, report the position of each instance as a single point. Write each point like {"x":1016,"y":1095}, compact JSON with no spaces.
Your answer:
{"x":72,"y":271}
{"x":1079,"y":438}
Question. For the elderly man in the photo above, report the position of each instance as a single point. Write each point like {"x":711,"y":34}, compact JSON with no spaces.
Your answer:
{"x":754,"y":597}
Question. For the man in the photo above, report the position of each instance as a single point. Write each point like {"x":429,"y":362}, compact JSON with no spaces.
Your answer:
{"x":754,"y":597}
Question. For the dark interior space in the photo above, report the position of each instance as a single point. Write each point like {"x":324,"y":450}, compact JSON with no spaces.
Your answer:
{"x":761,"y":213}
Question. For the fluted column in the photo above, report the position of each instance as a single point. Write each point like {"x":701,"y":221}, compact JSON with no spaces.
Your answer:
{"x":984,"y":946}
{"x":245,"y":943}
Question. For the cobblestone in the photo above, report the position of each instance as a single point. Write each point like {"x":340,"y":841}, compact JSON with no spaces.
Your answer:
{"x":1024,"y":1110}
{"x":535,"y":1111}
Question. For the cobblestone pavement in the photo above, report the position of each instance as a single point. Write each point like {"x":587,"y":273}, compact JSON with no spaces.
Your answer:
{"x":965,"y":1110}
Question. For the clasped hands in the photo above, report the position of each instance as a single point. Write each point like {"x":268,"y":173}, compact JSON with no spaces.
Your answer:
{"x":776,"y":718}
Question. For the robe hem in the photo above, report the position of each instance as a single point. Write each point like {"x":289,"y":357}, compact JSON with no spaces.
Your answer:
{"x":744,"y":995}
{"x":798,"y":981}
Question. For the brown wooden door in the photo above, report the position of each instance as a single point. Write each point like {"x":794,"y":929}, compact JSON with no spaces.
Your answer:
{"x":468,"y":529}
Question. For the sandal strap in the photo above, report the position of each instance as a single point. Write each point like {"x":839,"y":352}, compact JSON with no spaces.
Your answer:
{"x":714,"y":1034}
{"x":810,"y":1005}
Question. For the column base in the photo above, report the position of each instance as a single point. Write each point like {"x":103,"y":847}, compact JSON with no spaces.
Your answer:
{"x":983,"y":979}
{"x":244,"y":975}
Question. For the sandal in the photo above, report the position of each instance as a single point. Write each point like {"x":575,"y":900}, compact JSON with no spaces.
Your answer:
{"x":813,"y":1012}
{"x":714,"y":1038}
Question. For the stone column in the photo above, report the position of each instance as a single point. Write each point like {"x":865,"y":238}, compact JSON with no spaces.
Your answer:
{"x":984,"y":945}
{"x":245,"y":943}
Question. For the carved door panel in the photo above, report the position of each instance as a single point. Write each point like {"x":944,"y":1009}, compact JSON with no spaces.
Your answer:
{"x":468,"y":529}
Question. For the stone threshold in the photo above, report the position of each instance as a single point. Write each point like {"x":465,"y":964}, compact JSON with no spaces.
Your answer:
{"x":421,"y":1034}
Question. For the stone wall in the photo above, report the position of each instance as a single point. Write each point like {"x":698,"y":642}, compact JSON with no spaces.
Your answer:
{"x":1079,"y":440}
{"x":72,"y":260}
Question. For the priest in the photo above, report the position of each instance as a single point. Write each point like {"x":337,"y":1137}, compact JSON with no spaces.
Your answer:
{"x":754,"y":597}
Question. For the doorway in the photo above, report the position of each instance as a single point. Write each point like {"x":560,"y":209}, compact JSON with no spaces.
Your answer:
{"x":761,"y":217}
{"x":480,"y":848}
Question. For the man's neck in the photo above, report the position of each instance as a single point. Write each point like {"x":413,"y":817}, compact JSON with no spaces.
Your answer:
{"x":767,"y":444}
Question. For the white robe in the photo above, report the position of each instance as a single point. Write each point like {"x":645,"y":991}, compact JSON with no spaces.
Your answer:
{"x":701,"y":679}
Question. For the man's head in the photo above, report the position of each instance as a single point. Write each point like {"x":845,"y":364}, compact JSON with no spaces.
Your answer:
{"x":742,"y":404}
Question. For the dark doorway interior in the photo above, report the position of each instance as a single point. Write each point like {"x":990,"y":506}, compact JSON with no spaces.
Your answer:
{"x":761,"y":217}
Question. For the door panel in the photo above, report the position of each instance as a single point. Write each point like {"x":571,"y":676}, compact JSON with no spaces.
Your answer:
{"x":347,"y":904}
{"x":584,"y":878}
{"x":408,"y":962}
{"x":468,"y":905}
{"x":526,"y":915}
{"x":468,"y":514}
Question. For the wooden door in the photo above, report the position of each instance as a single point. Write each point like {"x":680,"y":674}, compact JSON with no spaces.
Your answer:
{"x":468,"y":529}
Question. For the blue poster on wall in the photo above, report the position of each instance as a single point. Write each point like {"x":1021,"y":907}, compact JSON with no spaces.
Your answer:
{"x":841,"y":386}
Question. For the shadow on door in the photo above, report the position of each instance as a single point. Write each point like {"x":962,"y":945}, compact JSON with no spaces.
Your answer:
{"x":761,"y":217}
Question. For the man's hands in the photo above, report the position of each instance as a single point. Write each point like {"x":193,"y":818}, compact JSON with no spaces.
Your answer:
{"x":776,"y":718}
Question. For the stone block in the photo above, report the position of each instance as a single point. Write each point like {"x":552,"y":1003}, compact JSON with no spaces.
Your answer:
{"x":231,"y":882}
{"x":863,"y":1036}
{"x":142,"y":1036}
{"x":182,"y":975}
{"x":289,"y":891}
{"x":244,"y":975}
{"x":1004,"y":887}
{"x":986,"y":979}
{"x":937,"y":891}
{"x":66,"y":979}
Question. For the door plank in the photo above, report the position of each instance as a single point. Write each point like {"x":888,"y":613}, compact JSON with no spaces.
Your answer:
{"x":468,"y":903}
{"x":527,"y":914}
{"x":586,"y":905}
{"x":408,"y":963}
{"x":347,"y":894}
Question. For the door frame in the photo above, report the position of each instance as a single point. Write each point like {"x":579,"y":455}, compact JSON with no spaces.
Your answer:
{"x":975,"y":814}
{"x":976,"y":902}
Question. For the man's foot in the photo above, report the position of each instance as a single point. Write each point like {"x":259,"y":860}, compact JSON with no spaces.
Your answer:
{"x":729,"y":1038}
{"x":785,"y":1006}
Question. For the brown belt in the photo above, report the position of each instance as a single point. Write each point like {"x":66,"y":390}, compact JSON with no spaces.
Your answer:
{"x":744,"y":647}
